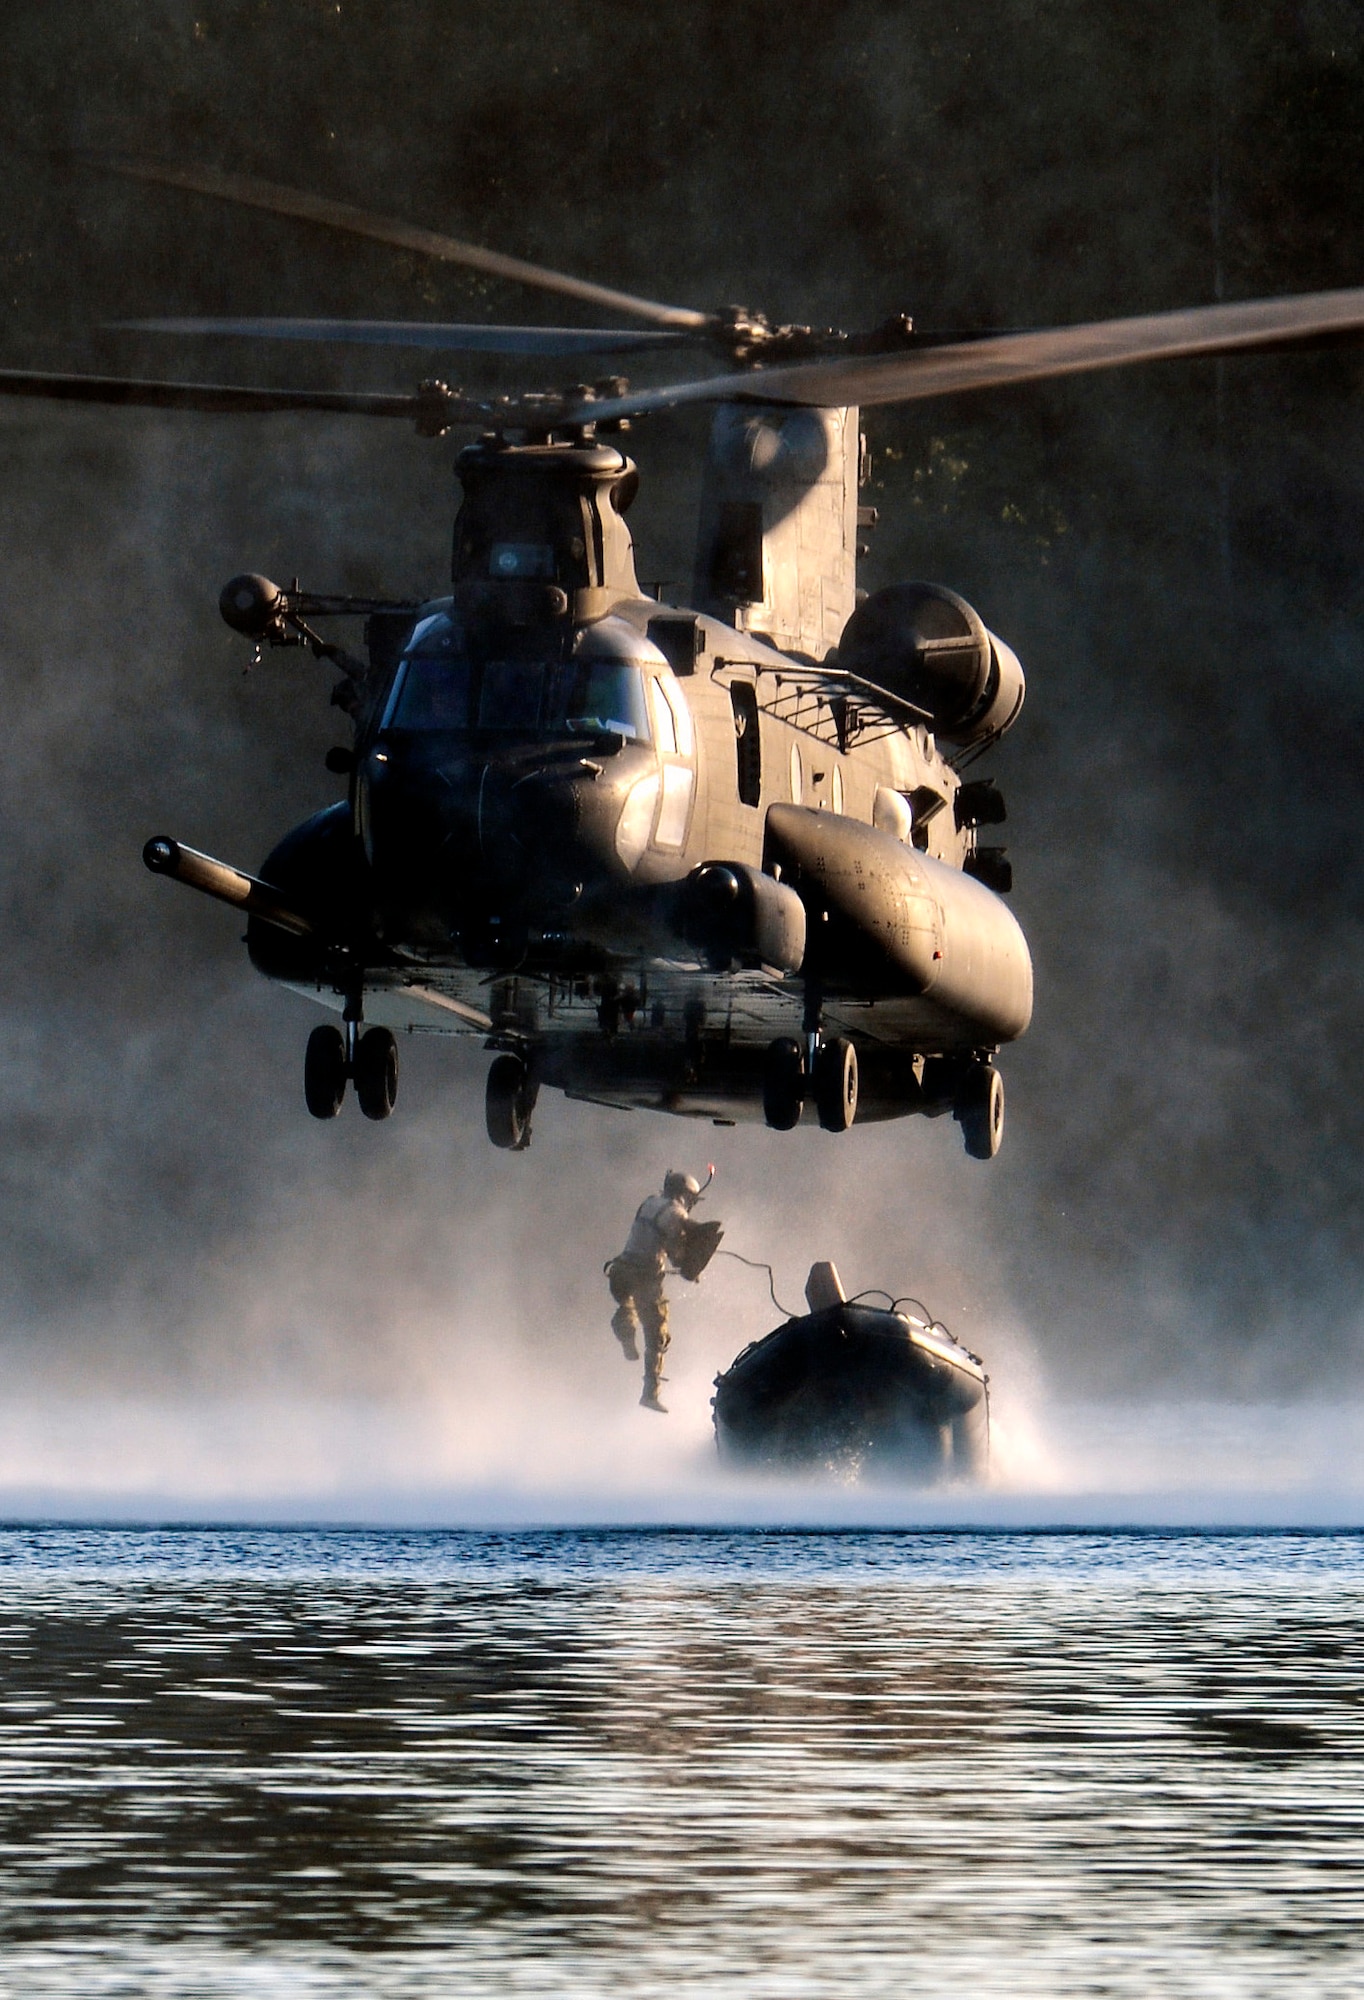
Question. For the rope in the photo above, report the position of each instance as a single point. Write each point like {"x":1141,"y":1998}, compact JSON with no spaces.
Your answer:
{"x":924,"y":1313}
{"x":894,"y":1305}
{"x":753,"y":1265}
{"x":872,"y":1292}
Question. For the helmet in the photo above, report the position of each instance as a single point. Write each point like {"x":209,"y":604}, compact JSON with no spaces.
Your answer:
{"x":681,"y":1187}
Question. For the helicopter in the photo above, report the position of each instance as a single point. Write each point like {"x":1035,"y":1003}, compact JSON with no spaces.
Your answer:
{"x":720,"y":859}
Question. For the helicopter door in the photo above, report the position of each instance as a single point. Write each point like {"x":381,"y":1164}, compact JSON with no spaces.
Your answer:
{"x":674,"y":741}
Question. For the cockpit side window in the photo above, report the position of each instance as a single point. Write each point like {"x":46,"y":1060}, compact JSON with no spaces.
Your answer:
{"x":431,"y":689}
{"x":432,"y":694}
{"x":681,"y":713}
{"x":665,"y":722}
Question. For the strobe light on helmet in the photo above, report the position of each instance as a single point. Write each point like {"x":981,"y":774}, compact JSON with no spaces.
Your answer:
{"x":922,"y":642}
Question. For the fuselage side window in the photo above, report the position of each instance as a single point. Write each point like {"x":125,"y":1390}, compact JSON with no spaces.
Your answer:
{"x":747,"y":743}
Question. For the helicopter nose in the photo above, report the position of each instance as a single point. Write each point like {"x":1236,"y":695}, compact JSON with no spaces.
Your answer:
{"x":528,"y":834}
{"x":546,"y":812}
{"x":561,"y":822}
{"x":423,"y":832}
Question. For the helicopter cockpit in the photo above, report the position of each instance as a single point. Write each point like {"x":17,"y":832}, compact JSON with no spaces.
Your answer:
{"x":541,"y":760}
{"x":446,"y":683}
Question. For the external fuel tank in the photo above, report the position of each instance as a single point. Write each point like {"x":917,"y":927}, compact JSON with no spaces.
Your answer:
{"x":889,"y":919}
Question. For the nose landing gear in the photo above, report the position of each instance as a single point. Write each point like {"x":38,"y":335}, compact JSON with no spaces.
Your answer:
{"x":783,"y":1083}
{"x":375,"y":1073}
{"x":510,"y":1100}
{"x":324,"y":1072}
{"x":335,"y":1057}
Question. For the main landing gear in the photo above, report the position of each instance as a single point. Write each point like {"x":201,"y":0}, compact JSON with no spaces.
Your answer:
{"x":511,"y":1094}
{"x":979,"y":1110}
{"x":826,"y":1072}
{"x":337,"y":1056}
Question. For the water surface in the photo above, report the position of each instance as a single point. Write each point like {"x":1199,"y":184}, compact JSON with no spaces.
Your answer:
{"x":401,"y":1764}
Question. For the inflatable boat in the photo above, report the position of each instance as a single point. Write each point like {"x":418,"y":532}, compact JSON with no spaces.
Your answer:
{"x":855,"y":1389}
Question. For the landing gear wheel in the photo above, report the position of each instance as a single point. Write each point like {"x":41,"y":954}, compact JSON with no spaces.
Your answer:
{"x":979,"y":1110}
{"x":509,"y":1103}
{"x":376,"y":1073}
{"x":836,"y":1084}
{"x":324,"y":1072}
{"x":783,"y":1084}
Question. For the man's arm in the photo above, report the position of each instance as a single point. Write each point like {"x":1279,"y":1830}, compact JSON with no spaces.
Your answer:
{"x":671,"y":1226}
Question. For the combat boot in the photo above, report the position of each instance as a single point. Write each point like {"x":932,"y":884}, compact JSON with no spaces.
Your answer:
{"x":653,"y":1375}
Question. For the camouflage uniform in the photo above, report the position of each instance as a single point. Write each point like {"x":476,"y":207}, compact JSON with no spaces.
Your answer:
{"x":636,"y":1281}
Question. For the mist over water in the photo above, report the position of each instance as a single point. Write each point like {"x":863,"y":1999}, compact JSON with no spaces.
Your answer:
{"x":206,"y":1297}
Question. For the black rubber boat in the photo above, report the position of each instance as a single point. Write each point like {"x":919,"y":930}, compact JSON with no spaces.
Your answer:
{"x":855,"y":1390}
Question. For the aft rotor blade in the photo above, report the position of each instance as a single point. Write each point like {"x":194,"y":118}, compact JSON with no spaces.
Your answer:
{"x":246,"y":192}
{"x":1200,"y":331}
{"x":223,"y":400}
{"x":446,"y":338}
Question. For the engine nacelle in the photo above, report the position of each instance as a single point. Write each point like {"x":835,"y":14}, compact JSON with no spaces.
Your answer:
{"x":924,"y":643}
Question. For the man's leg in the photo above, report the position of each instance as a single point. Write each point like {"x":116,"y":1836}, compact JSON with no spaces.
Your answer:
{"x":625,"y":1321}
{"x":654,"y":1312}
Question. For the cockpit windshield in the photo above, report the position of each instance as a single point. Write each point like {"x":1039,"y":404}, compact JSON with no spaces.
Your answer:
{"x":511,"y":695}
{"x":439,"y":687}
{"x":597,"y":696}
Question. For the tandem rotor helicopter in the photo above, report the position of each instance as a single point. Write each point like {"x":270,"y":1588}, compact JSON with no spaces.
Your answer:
{"x":718,"y":860}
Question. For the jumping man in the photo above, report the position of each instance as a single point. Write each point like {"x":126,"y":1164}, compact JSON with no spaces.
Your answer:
{"x":660,"y":1235}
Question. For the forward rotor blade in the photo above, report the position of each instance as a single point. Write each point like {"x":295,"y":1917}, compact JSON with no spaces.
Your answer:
{"x":247,"y":192}
{"x":449,"y":339}
{"x":221,"y":400}
{"x":1264,"y":324}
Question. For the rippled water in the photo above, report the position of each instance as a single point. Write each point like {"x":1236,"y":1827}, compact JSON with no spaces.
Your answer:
{"x":402,"y":1764}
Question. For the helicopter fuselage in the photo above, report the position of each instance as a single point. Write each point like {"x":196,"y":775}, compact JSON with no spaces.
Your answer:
{"x":647,"y":853}
{"x":566,"y":879}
